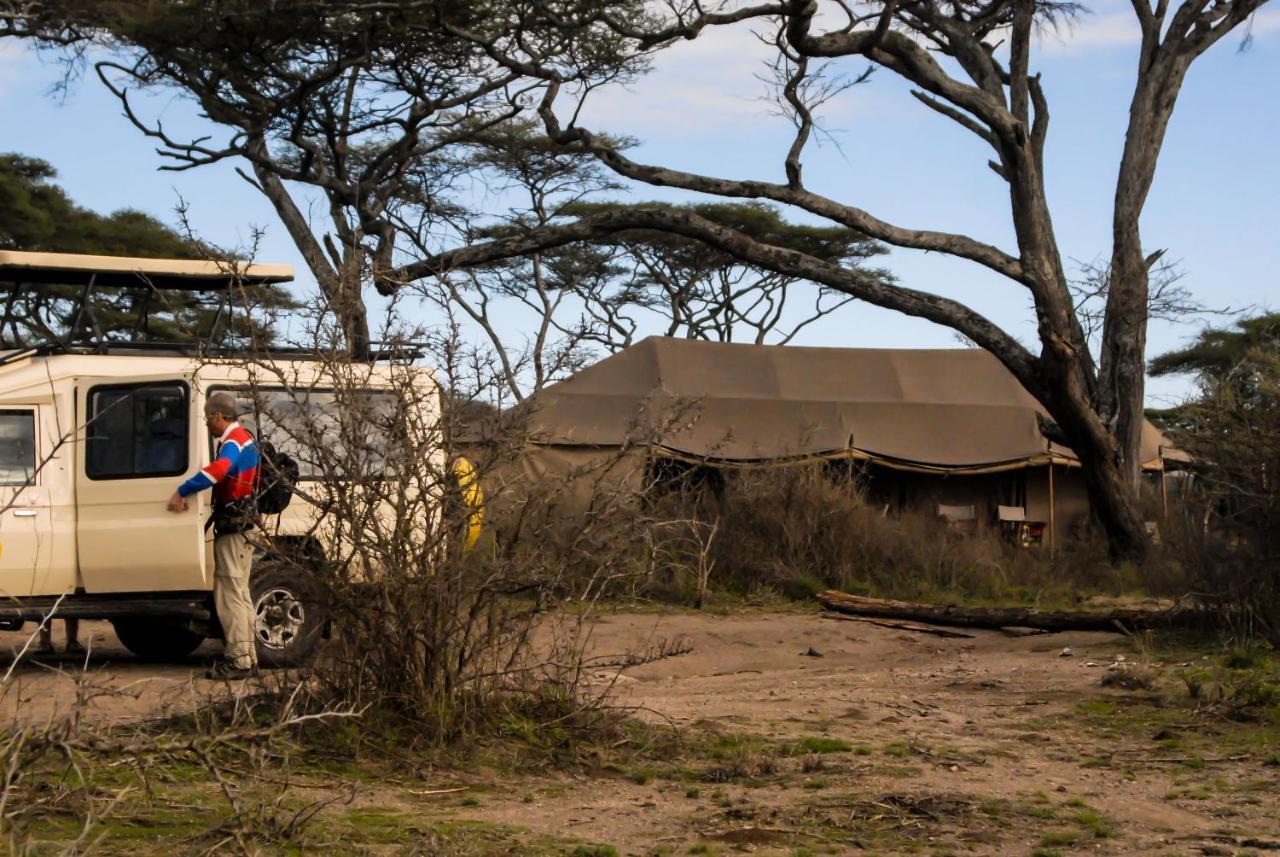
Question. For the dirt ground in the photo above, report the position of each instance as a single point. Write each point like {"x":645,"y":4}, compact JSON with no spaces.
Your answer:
{"x":838,"y":737}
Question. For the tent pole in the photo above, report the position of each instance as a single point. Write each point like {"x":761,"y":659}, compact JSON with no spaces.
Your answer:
{"x":1053,"y":523}
{"x":1164,"y":496}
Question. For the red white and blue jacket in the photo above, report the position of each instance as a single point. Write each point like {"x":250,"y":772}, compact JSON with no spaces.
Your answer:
{"x":233,"y":473}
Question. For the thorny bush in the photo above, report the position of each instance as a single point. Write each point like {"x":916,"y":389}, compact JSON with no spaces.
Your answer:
{"x":429,"y":637}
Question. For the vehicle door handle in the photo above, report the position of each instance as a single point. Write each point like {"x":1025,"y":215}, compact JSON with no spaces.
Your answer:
{"x":25,"y":513}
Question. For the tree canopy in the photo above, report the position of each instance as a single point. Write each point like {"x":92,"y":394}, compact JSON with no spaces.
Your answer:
{"x":36,"y":214}
{"x":1216,"y":352}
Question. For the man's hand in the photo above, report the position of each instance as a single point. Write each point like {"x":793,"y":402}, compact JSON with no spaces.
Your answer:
{"x":177,"y":503}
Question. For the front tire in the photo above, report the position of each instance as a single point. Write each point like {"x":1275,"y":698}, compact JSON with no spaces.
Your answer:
{"x":157,"y":639}
{"x":287,"y":617}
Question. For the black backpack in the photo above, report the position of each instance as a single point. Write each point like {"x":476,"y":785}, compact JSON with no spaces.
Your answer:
{"x":277,"y":477}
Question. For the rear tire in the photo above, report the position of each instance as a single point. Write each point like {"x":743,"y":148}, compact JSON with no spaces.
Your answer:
{"x":157,"y":639}
{"x":288,"y":619}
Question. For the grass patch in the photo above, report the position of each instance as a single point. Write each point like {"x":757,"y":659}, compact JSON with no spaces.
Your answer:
{"x":1057,"y":838}
{"x":816,"y":744}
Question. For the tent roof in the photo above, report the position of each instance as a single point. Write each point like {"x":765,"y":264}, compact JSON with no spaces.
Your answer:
{"x":935,"y":408}
{"x":68,"y":269}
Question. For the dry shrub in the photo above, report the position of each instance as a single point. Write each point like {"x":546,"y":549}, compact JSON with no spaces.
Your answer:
{"x":67,"y":780}
{"x":799,"y":529}
{"x":431,"y":640}
{"x":1229,"y":513}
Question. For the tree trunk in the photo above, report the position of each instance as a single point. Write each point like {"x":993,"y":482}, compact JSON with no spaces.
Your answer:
{"x":339,"y":278}
{"x":349,"y":308}
{"x":1114,"y":501}
{"x":1113,"y":495}
{"x":1013,"y":617}
{"x":1122,"y":382}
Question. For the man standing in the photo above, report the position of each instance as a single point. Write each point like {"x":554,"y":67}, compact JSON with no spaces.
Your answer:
{"x":233,"y":476}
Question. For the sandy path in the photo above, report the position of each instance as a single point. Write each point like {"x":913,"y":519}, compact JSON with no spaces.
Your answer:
{"x":949,"y":725}
{"x":120,"y":688}
{"x":961,"y":706}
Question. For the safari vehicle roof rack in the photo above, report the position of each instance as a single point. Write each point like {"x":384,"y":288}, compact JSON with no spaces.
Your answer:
{"x":20,"y":269}
{"x":398,"y":351}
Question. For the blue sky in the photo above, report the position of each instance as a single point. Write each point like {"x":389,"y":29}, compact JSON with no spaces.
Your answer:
{"x":1214,"y":205}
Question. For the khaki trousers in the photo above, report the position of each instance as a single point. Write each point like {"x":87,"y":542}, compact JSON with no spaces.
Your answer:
{"x":232,"y":559}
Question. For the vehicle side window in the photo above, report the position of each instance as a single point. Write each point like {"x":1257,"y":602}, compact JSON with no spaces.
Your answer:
{"x":137,"y":431}
{"x":305,"y":424}
{"x":17,"y":447}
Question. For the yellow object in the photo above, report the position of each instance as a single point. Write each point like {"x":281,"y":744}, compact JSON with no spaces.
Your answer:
{"x":473,"y":495}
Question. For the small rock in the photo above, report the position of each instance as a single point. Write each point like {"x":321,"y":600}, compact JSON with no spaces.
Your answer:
{"x":1065,"y":653}
{"x":812,"y":653}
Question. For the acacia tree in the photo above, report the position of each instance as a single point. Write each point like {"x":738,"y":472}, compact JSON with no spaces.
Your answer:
{"x":581,"y":298}
{"x":971,"y":63}
{"x":1228,"y":367}
{"x":342,"y":102}
{"x":695,"y":291}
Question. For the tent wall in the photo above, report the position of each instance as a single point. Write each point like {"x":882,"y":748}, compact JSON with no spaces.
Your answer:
{"x":570,"y":476}
{"x":924,"y":492}
{"x":1070,"y":501}
{"x":567,"y":477}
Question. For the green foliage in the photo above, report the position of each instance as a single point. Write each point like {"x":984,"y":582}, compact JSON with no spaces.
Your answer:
{"x":1216,"y":352}
{"x":36,"y":214}
{"x":1224,"y":361}
{"x":757,"y":220}
{"x":594,"y":851}
{"x":801,"y":529}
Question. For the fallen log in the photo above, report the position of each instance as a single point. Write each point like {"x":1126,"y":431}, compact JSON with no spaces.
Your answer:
{"x":901,"y":626}
{"x":1125,"y":619}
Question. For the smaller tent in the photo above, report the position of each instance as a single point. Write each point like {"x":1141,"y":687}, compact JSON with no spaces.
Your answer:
{"x":946,"y":422}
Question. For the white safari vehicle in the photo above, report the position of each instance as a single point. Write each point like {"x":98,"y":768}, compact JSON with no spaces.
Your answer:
{"x":93,"y":441}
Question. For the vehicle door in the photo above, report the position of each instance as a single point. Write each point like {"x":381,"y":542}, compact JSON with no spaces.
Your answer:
{"x":26,"y":525}
{"x":139,"y":441}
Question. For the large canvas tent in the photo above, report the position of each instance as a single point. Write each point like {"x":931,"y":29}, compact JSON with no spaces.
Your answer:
{"x":938,"y":426}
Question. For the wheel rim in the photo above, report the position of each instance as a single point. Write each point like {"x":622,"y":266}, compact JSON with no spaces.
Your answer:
{"x":279,"y":618}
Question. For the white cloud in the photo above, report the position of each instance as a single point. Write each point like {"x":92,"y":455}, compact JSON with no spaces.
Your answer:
{"x":712,"y":85}
{"x":1117,"y":27}
{"x":707,"y":84}
{"x":1092,"y":32}
{"x":1266,"y":23}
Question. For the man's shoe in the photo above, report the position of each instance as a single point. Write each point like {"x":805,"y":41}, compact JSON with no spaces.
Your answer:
{"x":227,"y":671}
